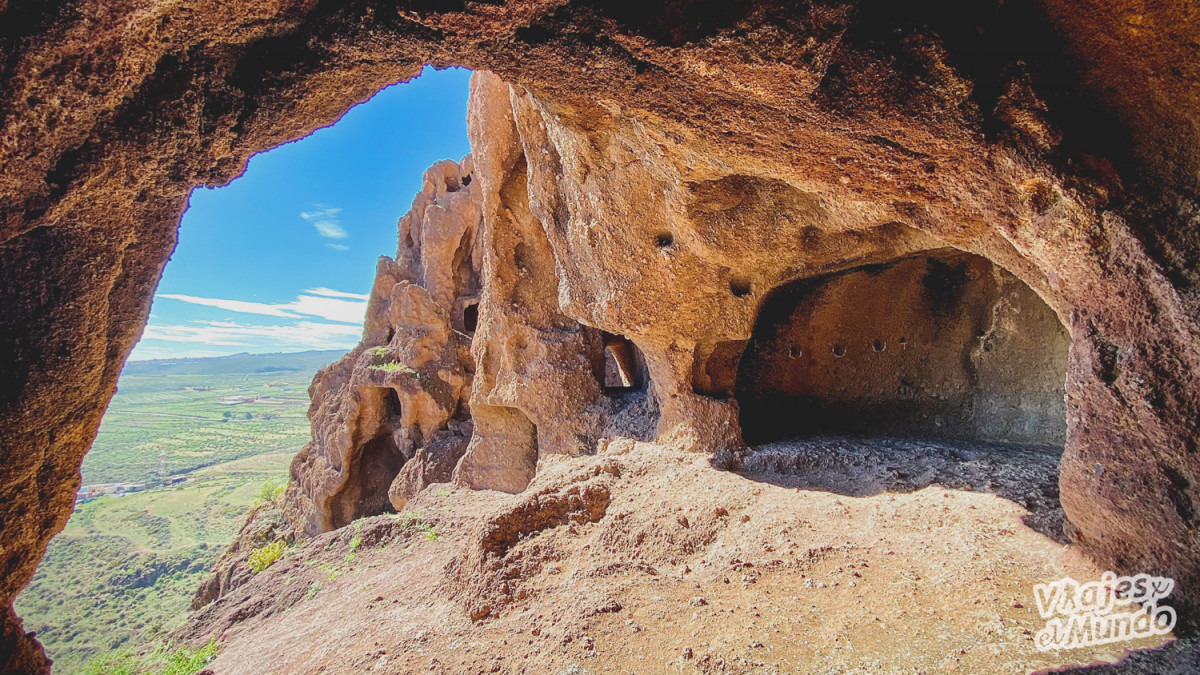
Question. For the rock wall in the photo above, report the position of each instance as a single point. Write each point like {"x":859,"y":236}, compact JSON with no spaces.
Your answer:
{"x":677,"y":161}
{"x":393,"y":414}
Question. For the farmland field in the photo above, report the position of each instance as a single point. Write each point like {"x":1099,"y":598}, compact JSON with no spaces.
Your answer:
{"x":123,"y":571}
{"x":174,"y":410}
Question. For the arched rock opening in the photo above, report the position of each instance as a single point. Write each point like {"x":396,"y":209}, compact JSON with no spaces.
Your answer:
{"x":379,"y":460}
{"x":941,"y":345}
{"x":470,"y":317}
{"x":886,"y":107}
{"x":624,"y":366}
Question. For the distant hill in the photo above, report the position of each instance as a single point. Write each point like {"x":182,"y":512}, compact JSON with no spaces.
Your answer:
{"x":307,"y":362}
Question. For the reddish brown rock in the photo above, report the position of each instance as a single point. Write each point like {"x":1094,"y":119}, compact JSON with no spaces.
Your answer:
{"x":433,"y":463}
{"x":669,"y":164}
{"x":264,"y":525}
{"x":535,"y":389}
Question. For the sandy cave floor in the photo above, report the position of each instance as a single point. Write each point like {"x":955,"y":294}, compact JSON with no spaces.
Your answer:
{"x":822,"y":556}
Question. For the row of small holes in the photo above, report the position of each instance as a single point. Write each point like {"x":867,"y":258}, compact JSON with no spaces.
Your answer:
{"x":840,"y":351}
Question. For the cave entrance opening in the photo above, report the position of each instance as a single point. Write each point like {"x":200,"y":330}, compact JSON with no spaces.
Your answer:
{"x":940,"y":345}
{"x":379,"y":460}
{"x":624,"y":365}
{"x":470,"y":317}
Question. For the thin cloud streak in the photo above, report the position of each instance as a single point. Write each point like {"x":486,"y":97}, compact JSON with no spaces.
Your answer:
{"x":300,"y":335}
{"x":326,"y":221}
{"x":323,"y":303}
{"x":330,"y":293}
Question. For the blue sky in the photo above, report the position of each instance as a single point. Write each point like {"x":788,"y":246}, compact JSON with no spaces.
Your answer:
{"x":282,"y":258}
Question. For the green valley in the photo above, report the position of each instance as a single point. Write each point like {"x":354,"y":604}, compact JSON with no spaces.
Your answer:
{"x":185,"y":449}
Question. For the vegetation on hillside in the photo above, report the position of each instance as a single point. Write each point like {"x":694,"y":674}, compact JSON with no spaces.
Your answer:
{"x":163,"y":660}
{"x":191,"y":422}
{"x":123,"y":572}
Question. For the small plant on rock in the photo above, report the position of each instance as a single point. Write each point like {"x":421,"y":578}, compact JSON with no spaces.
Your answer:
{"x":412,"y":519}
{"x":271,"y":491}
{"x":331,"y":571}
{"x":265,"y":556}
{"x":354,"y":544}
{"x":428,"y":530}
{"x":408,"y":518}
{"x":394,"y":367}
{"x":186,"y":661}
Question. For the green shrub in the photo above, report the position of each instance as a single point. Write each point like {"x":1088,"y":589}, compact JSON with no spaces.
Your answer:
{"x":354,"y":544}
{"x":186,"y":661}
{"x":408,"y":518}
{"x":263,"y":557}
{"x":394,"y":367}
{"x":271,"y":490}
{"x":182,"y":661}
{"x":428,"y":530}
{"x":412,"y":519}
{"x":330,"y":570}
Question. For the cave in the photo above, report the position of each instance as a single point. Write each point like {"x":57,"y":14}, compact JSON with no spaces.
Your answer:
{"x":470,"y":317}
{"x":1058,"y":141}
{"x":941,"y":345}
{"x":370,"y":473}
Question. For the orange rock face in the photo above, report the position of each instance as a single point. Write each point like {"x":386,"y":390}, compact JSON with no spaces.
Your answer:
{"x":646,"y":179}
{"x":404,"y":389}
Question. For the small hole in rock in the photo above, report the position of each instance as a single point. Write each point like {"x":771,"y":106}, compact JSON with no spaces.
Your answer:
{"x":664,"y":240}
{"x":879,"y":345}
{"x":471,"y":317}
{"x":740,"y":287}
{"x":794,"y":352}
{"x":839,"y":351}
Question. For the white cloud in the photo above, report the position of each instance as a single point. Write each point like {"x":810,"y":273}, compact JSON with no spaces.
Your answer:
{"x":338,"y":247}
{"x":233,"y":334}
{"x":322,"y":302}
{"x":330,"y":293}
{"x":333,"y":309}
{"x":234,"y":305}
{"x":326,"y":221}
{"x":199,"y":338}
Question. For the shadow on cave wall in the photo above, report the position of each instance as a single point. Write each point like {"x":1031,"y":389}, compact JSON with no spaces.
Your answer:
{"x":939,"y":345}
{"x":379,"y":461}
{"x":938,"y":369}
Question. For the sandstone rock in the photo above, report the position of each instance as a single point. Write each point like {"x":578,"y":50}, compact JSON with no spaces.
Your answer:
{"x":657,"y":171}
{"x":379,"y":406}
{"x":433,"y":463}
{"x":535,"y":388}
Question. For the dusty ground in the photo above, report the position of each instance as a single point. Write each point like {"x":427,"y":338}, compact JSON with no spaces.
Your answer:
{"x":825,"y":556}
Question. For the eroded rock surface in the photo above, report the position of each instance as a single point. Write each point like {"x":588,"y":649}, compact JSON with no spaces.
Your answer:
{"x":403,"y":392}
{"x":653,"y":171}
{"x":265,"y":524}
